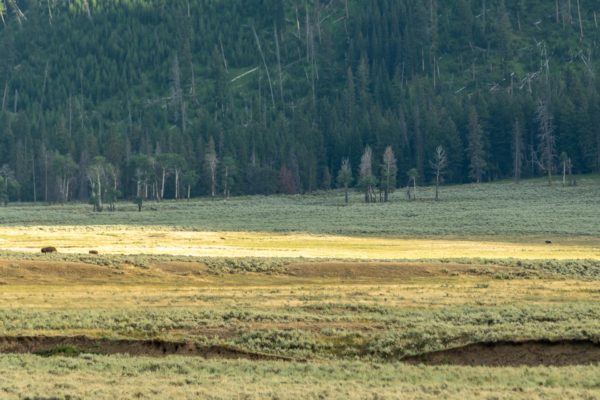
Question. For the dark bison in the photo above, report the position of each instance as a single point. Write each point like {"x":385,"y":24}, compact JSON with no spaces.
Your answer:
{"x":49,"y":249}
{"x":548,"y":241}
{"x":93,"y":251}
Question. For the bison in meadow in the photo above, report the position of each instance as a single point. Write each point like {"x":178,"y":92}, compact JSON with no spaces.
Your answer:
{"x":48,"y":249}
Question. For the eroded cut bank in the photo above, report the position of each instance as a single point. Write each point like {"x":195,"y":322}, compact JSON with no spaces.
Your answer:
{"x":518,"y":353}
{"x":73,"y":345}
{"x":497,"y":354}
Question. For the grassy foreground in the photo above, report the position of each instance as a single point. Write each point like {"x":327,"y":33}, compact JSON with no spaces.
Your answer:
{"x":345,"y":294}
{"x":102,"y":377}
{"x":351,"y":321}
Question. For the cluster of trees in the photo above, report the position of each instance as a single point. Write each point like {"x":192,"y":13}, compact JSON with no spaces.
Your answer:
{"x":368,"y":180}
{"x":152,"y":99}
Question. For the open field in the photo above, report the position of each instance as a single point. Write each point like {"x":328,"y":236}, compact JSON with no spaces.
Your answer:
{"x":344,"y":328}
{"x":110,"y":377}
{"x":287,"y":297}
{"x":163,"y":240}
{"x":498,"y":210}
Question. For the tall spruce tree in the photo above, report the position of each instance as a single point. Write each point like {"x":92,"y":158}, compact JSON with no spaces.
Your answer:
{"x":477,"y":162}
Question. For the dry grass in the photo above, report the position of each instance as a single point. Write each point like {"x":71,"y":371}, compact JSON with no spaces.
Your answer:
{"x":372,"y":311}
{"x":162,"y":240}
{"x":115,"y":377}
{"x":183,"y":300}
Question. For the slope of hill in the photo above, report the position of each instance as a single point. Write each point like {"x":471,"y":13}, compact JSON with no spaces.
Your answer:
{"x":278,"y":92}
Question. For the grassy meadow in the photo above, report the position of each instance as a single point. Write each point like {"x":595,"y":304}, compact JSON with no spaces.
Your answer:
{"x":498,"y":210}
{"x":314,"y":299}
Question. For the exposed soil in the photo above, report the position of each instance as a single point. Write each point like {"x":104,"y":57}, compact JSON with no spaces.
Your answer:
{"x":69,"y":345}
{"x":525,"y":353}
{"x":381,"y":270}
{"x":41,"y":271}
{"x":70,"y":272}
{"x":182,"y":268}
{"x":499,"y":354}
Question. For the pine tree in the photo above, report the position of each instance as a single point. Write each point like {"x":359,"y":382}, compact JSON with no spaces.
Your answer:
{"x":477,"y":163}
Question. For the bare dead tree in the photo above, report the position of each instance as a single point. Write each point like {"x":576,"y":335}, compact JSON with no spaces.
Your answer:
{"x":49,"y":12}
{"x":33,"y":176}
{"x":82,"y":101}
{"x":517,"y":151}
{"x":262,"y":56}
{"x":344,"y":177}
{"x":439,"y":165}
{"x":193,"y":83}
{"x":86,"y":5}
{"x":223,"y":55}
{"x":5,"y":95}
{"x":16,"y":10}
{"x":564,"y":162}
{"x":580,"y":22}
{"x":278,"y":62}
{"x":177,"y":93}
{"x":211,"y":161}
{"x":2,"y":12}
{"x":367,"y":180}
{"x":547,"y":139}
{"x":389,"y":172}
{"x":312,"y":74}
{"x":412,"y":174}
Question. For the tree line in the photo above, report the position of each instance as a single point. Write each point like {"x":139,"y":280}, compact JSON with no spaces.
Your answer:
{"x":153,"y":100}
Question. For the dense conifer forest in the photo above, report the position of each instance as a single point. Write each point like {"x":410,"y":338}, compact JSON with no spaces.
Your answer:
{"x":151,"y":99}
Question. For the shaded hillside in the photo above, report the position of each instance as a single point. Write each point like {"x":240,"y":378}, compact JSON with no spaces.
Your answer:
{"x":261,"y":96}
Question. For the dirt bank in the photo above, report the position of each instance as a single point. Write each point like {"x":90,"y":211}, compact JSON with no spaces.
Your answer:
{"x":72,"y":345}
{"x":524,"y":353}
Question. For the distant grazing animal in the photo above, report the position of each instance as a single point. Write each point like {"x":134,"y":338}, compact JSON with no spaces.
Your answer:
{"x":49,"y":249}
{"x":548,"y":242}
{"x":93,"y":251}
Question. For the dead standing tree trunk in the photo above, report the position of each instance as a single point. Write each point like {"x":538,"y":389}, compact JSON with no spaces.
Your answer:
{"x":547,"y":140}
{"x":439,"y":164}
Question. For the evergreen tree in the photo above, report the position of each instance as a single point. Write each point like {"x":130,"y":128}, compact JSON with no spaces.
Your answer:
{"x":320,"y":93}
{"x":477,"y":163}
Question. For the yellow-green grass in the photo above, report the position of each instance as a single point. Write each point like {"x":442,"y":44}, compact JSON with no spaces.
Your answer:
{"x":163,"y":240}
{"x":322,"y":304}
{"x":122,"y":377}
{"x":352,"y":321}
{"x":490,"y":210}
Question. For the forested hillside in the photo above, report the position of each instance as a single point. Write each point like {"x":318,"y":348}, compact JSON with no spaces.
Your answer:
{"x":161,"y":99}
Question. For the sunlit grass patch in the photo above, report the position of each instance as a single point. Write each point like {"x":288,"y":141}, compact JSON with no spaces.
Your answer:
{"x":162,"y":240}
